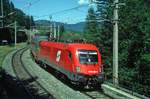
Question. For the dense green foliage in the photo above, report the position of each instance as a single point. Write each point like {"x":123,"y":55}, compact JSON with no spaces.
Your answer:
{"x":91,"y":25}
{"x":12,"y":14}
{"x":134,"y":41}
{"x":70,"y":36}
{"x":61,"y":31}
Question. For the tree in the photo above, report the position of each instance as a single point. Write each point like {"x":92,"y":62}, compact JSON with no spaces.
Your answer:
{"x":104,"y":16}
{"x":99,"y":31}
{"x":91,"y":26}
{"x":134,"y":41}
{"x":6,"y":11}
{"x":12,"y":7}
{"x":19,"y":16}
{"x":133,"y":35}
{"x":32,"y":21}
{"x":29,"y":21}
{"x":12,"y":14}
{"x":62,"y":30}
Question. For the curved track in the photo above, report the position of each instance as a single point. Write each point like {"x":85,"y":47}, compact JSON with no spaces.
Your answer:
{"x":32,"y":88}
{"x":94,"y":93}
{"x":97,"y":94}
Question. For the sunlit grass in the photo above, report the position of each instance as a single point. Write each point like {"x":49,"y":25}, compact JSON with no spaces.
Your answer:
{"x":4,"y":50}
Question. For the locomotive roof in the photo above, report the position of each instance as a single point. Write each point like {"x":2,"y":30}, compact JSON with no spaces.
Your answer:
{"x":82,"y":45}
{"x":61,"y":45}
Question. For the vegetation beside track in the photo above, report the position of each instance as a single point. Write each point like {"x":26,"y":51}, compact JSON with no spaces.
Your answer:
{"x":4,"y":50}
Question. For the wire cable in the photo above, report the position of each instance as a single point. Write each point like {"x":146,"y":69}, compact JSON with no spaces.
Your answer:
{"x":29,"y":4}
{"x":63,"y":11}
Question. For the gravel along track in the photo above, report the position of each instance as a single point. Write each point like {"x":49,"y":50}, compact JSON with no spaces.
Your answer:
{"x":34,"y":90}
{"x":58,"y":89}
{"x":52,"y":84}
{"x":96,"y":94}
{"x":37,"y":83}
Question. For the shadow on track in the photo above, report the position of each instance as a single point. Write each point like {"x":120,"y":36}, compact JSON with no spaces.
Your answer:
{"x":14,"y":90}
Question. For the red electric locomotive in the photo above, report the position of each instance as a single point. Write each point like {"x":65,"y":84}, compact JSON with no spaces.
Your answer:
{"x":81,"y":63}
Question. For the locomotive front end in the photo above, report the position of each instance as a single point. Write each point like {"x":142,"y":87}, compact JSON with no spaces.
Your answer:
{"x":88,"y":67}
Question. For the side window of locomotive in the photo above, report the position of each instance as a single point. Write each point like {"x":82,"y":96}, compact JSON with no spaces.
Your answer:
{"x":70,"y":55}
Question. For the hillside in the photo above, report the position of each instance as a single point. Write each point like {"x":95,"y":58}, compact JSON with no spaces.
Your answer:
{"x":78,"y":27}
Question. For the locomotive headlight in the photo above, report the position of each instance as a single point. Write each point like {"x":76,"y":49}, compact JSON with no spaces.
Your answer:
{"x":78,"y":69}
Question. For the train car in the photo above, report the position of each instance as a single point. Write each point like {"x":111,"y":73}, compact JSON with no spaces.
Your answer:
{"x":35,"y":44}
{"x":6,"y":36}
{"x":81,"y":63}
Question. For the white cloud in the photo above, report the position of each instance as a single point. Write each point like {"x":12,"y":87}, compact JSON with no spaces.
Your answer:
{"x":83,"y":2}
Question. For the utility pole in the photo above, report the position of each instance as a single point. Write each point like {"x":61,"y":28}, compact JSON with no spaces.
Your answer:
{"x":115,"y":40}
{"x":54,"y":30}
{"x":29,"y":23}
{"x":50,"y":18}
{"x":115,"y":43}
{"x":15,"y":33}
{"x":58,"y":33}
{"x":29,"y":29}
{"x":51,"y":27}
{"x":51,"y":31}
{"x":2,"y":13}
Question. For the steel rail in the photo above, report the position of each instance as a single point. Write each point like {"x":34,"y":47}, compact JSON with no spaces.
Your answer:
{"x":28,"y":91}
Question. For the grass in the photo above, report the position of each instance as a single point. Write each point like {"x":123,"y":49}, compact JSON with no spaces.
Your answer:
{"x":4,"y":50}
{"x":72,"y":35}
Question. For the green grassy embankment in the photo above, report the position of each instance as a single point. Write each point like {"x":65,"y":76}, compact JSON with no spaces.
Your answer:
{"x":4,"y":50}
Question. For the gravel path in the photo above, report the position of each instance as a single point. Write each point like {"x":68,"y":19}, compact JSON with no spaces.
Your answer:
{"x":96,"y":95}
{"x":48,"y":81}
{"x":7,"y":64}
{"x":10,"y":81}
{"x":55,"y":87}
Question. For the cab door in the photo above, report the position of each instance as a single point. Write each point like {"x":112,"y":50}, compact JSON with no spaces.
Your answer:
{"x":69,"y":60}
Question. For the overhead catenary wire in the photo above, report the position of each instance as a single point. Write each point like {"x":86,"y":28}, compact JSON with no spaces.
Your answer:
{"x":63,"y":11}
{"x":99,"y":20}
{"x":29,"y":4}
{"x":57,"y":12}
{"x":67,"y":10}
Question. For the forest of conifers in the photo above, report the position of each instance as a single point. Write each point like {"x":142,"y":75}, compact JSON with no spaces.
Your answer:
{"x":134,"y":40}
{"x":12,"y":14}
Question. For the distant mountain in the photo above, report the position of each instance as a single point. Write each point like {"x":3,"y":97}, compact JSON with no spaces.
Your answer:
{"x":45,"y":22}
{"x":78,"y":27}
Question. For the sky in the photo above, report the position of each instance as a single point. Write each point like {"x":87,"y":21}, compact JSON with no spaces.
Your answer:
{"x":54,"y":9}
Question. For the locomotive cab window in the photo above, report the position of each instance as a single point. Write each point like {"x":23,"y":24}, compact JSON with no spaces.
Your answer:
{"x":88,"y":56}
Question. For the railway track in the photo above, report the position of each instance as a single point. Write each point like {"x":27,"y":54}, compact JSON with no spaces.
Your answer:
{"x":32,"y":88}
{"x":94,"y":93}
{"x":97,"y":94}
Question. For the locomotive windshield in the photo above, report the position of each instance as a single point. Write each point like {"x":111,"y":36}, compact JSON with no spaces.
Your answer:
{"x":88,"y":56}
